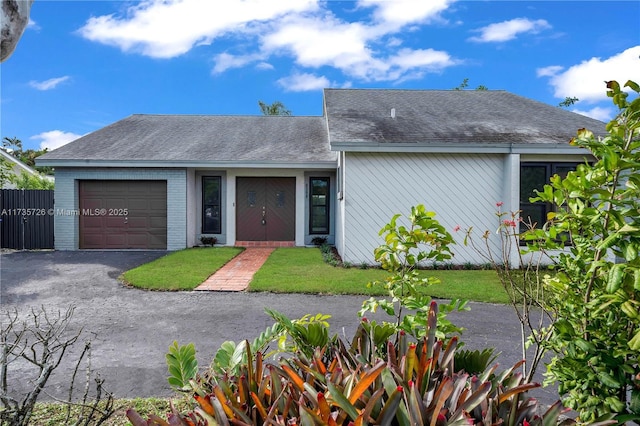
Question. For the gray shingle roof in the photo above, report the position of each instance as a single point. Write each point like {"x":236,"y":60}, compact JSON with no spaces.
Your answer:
{"x":357,"y":119}
{"x":363,"y":116}
{"x":203,"y":138}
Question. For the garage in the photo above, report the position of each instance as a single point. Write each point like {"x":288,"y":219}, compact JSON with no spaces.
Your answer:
{"x":122,"y":214}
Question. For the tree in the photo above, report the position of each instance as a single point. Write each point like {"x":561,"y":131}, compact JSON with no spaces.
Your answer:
{"x":568,"y":101}
{"x":595,"y":290}
{"x":465,"y":84}
{"x":276,"y":108}
{"x":13,"y":146}
{"x":29,"y":181}
{"x":15,"y":17}
{"x":6,"y":172}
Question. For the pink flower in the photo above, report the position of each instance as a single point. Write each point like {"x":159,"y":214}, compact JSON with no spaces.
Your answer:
{"x":510,"y":223}
{"x":499,"y":204}
{"x":456,"y":228}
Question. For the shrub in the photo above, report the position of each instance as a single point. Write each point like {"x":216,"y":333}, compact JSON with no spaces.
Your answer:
{"x":319,"y":241}
{"x":406,"y":247}
{"x":40,"y":341}
{"x":596,"y":338}
{"x":208,"y":241}
{"x":414,"y":382}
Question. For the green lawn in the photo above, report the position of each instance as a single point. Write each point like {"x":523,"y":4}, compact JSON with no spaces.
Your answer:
{"x":302,"y":270}
{"x":180,"y":270}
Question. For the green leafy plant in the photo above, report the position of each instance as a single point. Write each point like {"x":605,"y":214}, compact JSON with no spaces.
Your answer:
{"x":406,"y":247}
{"x":416,"y":382}
{"x":208,"y":241}
{"x":596,"y":291}
{"x":289,"y":335}
{"x":319,"y":241}
{"x":182,"y":365}
{"x":304,"y":334}
{"x":29,"y":181}
{"x":474,"y":362}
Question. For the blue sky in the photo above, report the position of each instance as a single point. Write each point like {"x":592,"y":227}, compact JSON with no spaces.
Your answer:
{"x":82,"y":65}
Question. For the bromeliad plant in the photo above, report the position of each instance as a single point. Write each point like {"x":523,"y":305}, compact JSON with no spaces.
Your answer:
{"x":405,"y":250}
{"x":415,"y":383}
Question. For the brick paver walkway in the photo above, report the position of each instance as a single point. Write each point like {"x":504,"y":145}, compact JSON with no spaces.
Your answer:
{"x":236,"y":275}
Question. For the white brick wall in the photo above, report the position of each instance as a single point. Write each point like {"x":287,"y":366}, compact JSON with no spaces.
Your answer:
{"x":66,"y":199}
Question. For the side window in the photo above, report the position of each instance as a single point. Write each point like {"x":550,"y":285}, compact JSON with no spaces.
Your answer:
{"x":319,"y":206}
{"x":533,"y":176}
{"x":211,"y":217}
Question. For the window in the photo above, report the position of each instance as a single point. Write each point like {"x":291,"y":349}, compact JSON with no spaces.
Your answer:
{"x":211,"y":219}
{"x":533,"y":176}
{"x":319,"y":206}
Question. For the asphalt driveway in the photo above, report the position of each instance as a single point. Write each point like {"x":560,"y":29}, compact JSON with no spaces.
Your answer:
{"x":132,"y":329}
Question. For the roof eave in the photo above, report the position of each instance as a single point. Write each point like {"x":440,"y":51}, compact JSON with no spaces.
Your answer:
{"x":189,"y":164}
{"x":460,"y":148}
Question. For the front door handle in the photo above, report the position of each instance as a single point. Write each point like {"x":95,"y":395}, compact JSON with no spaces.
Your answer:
{"x":264,"y":215}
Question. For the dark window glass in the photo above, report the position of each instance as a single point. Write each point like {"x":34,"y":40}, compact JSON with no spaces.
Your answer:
{"x":211,"y":215}
{"x":319,"y":206}
{"x":251,"y":198}
{"x":534,"y":176}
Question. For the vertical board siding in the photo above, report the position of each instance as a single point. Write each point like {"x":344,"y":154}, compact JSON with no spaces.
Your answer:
{"x":27,"y":219}
{"x":461,"y":189}
{"x":66,"y":193}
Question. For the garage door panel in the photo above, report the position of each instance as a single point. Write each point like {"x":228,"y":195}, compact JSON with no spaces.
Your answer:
{"x":115,"y":222}
{"x":92,"y":222}
{"x":158,"y":222}
{"x":138,"y":223}
{"x":143,"y":227}
{"x":114,"y":240}
{"x":157,"y":204}
{"x":92,"y":204}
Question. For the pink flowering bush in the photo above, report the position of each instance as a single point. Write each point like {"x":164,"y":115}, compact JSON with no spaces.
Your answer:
{"x":521,"y":276}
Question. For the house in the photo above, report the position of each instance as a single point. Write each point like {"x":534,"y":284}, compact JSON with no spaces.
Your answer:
{"x":17,"y":168}
{"x":163,"y":181}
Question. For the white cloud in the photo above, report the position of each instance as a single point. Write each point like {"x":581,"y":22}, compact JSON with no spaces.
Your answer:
{"x":585,"y":80}
{"x":422,"y":58}
{"x":305,"y":30}
{"x":508,"y":30}
{"x":264,"y":66}
{"x":225,"y":61}
{"x":54,"y":139}
{"x":549,"y":71}
{"x":165,"y":29}
{"x":52,"y":83}
{"x":326,"y":41}
{"x":599,"y":113}
{"x":398,"y":13}
{"x":33,"y":25}
{"x":304,"y":82}
{"x":318,"y":41}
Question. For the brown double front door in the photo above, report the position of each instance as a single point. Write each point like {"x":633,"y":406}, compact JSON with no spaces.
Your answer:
{"x":265,"y":209}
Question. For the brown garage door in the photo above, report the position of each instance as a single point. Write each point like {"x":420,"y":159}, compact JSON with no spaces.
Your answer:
{"x":123,"y":214}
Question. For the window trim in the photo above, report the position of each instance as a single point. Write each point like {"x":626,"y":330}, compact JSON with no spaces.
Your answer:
{"x":204,"y":205}
{"x":327,"y":205}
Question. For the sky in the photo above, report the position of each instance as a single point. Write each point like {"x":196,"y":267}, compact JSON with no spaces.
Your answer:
{"x":82,"y":65}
